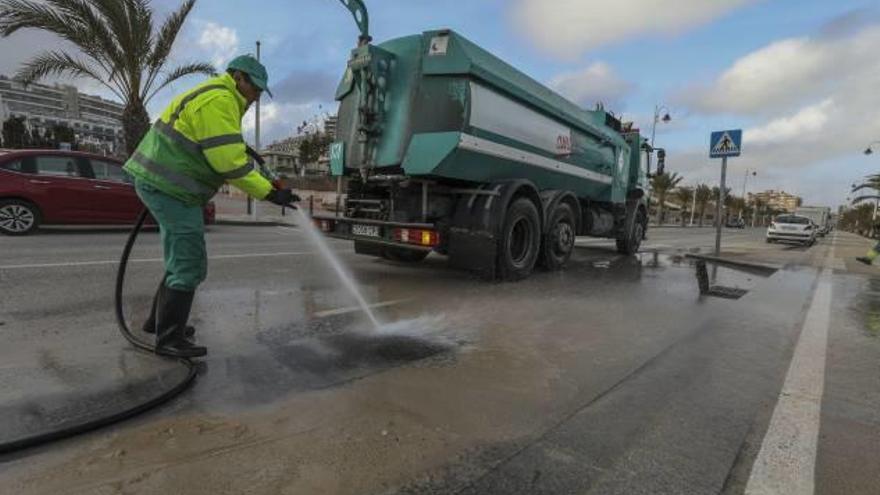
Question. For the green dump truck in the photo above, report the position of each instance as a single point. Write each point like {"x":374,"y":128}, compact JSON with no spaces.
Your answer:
{"x":449,"y":149}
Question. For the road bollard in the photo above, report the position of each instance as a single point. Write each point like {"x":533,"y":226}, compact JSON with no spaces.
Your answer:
{"x":702,"y":277}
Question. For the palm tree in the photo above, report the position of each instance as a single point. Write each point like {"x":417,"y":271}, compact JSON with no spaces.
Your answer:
{"x":683,"y":195}
{"x":117,"y":46}
{"x":716,"y":196}
{"x":662,"y":184}
{"x":704,"y":195}
{"x":731,"y":203}
{"x":759,"y":206}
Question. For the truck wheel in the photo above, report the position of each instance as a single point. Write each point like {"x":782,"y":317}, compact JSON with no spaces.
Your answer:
{"x":559,"y":241}
{"x":520,"y":240}
{"x":630,"y":244}
{"x":404,"y":255}
{"x":18,"y":217}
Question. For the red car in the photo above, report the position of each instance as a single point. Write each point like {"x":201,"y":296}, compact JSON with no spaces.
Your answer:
{"x":65,"y":187}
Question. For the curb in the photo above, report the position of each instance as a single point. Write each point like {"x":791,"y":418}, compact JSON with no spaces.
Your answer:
{"x":743,"y":264}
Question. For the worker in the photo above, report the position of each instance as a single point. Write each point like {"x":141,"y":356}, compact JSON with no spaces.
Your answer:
{"x":189,"y":153}
{"x":869,"y":258}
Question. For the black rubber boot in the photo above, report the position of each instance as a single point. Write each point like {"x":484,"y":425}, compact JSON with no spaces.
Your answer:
{"x":150,"y":324}
{"x":173,"y":312}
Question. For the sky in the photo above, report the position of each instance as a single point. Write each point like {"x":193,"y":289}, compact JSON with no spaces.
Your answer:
{"x":800,"y":77}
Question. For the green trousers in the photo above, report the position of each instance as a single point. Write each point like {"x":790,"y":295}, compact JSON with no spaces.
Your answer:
{"x":182,"y":228}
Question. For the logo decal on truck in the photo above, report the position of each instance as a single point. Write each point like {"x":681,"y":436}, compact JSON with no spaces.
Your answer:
{"x":563,"y":145}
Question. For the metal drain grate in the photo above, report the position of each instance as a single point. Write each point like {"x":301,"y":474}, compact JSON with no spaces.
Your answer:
{"x":726,"y":292}
{"x":715,"y":290}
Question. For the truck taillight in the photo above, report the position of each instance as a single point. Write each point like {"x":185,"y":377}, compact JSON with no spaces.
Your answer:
{"x":324,"y":225}
{"x":420,"y":237}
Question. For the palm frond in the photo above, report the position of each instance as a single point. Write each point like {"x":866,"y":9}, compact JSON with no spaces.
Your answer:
{"x":117,"y":46}
{"x":26,"y":14}
{"x":181,"y":71}
{"x":164,"y":42}
{"x":58,"y":63}
{"x":99,"y":44}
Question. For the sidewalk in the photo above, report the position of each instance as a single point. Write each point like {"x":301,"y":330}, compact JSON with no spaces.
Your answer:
{"x":232,"y":210}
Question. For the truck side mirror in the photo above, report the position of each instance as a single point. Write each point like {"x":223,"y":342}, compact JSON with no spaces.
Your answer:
{"x":661,"y":161}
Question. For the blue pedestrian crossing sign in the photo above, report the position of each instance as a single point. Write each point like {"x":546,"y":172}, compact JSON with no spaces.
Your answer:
{"x":725,"y":143}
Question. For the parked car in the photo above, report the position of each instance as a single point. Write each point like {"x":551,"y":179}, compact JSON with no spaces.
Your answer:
{"x":40,"y":187}
{"x":792,"y":228}
{"x":736,"y":223}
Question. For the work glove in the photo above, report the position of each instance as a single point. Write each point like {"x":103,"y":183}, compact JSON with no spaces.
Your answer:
{"x":282,"y":197}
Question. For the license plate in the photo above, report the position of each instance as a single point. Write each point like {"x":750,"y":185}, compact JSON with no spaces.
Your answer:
{"x":365,"y":230}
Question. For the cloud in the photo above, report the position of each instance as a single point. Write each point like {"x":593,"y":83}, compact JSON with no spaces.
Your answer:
{"x":569,"y":28}
{"x":278,"y":120}
{"x":783,"y":74}
{"x":219,"y":43}
{"x":596,"y":83}
{"x":306,"y":86}
{"x":812,"y":101}
{"x":807,"y":123}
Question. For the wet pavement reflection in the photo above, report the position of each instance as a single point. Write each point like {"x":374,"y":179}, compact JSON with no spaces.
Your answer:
{"x":268,"y":345}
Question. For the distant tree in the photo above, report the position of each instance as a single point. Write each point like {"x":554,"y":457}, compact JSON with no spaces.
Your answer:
{"x":36,"y":140}
{"x":760,"y":210}
{"x":704,"y":196}
{"x":661,"y":184}
{"x":737,"y":205}
{"x":313,"y":147}
{"x":63,"y":134}
{"x":857,"y":219}
{"x":684,"y":196}
{"x":49,"y":139}
{"x":716,"y":196}
{"x":116,"y":43}
{"x":15,"y":135}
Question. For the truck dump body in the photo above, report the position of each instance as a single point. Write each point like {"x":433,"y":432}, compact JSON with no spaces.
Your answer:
{"x":449,"y":109}
{"x":449,"y":149}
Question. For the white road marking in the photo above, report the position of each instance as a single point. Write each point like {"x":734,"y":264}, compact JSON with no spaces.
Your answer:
{"x":152,"y":260}
{"x":786,"y":462}
{"x":353,"y":309}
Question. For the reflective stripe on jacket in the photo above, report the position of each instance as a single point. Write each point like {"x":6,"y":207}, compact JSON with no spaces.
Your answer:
{"x":196,"y":146}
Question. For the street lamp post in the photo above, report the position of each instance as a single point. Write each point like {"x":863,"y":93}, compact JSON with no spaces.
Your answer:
{"x":693,"y":204}
{"x":869,"y":151}
{"x":745,"y":180}
{"x":666,"y":118}
{"x":251,"y":204}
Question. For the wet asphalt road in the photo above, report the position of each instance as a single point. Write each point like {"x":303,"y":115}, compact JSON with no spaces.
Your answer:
{"x":613,"y":376}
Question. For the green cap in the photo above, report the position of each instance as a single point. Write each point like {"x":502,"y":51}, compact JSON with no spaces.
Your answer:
{"x":254,"y":69}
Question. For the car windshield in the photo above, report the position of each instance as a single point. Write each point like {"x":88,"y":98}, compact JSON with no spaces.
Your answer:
{"x":793,"y":219}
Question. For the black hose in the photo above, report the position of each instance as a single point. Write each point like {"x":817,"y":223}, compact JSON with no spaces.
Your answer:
{"x":35,"y":440}
{"x":120,"y":282}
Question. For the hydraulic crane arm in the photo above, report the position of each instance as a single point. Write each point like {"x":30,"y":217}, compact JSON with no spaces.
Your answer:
{"x":359,"y":11}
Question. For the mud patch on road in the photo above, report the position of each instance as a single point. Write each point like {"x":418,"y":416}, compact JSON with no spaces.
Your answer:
{"x":274,"y":366}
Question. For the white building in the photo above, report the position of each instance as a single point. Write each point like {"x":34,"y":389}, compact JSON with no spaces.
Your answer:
{"x":94,"y":120}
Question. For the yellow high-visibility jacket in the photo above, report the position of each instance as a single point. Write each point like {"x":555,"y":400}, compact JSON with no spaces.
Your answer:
{"x":196,"y":146}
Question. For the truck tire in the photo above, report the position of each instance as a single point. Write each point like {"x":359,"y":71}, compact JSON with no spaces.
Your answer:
{"x":559,"y":240}
{"x":520,"y":242}
{"x":18,"y":217}
{"x":630,"y":244}
{"x":404,"y":255}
